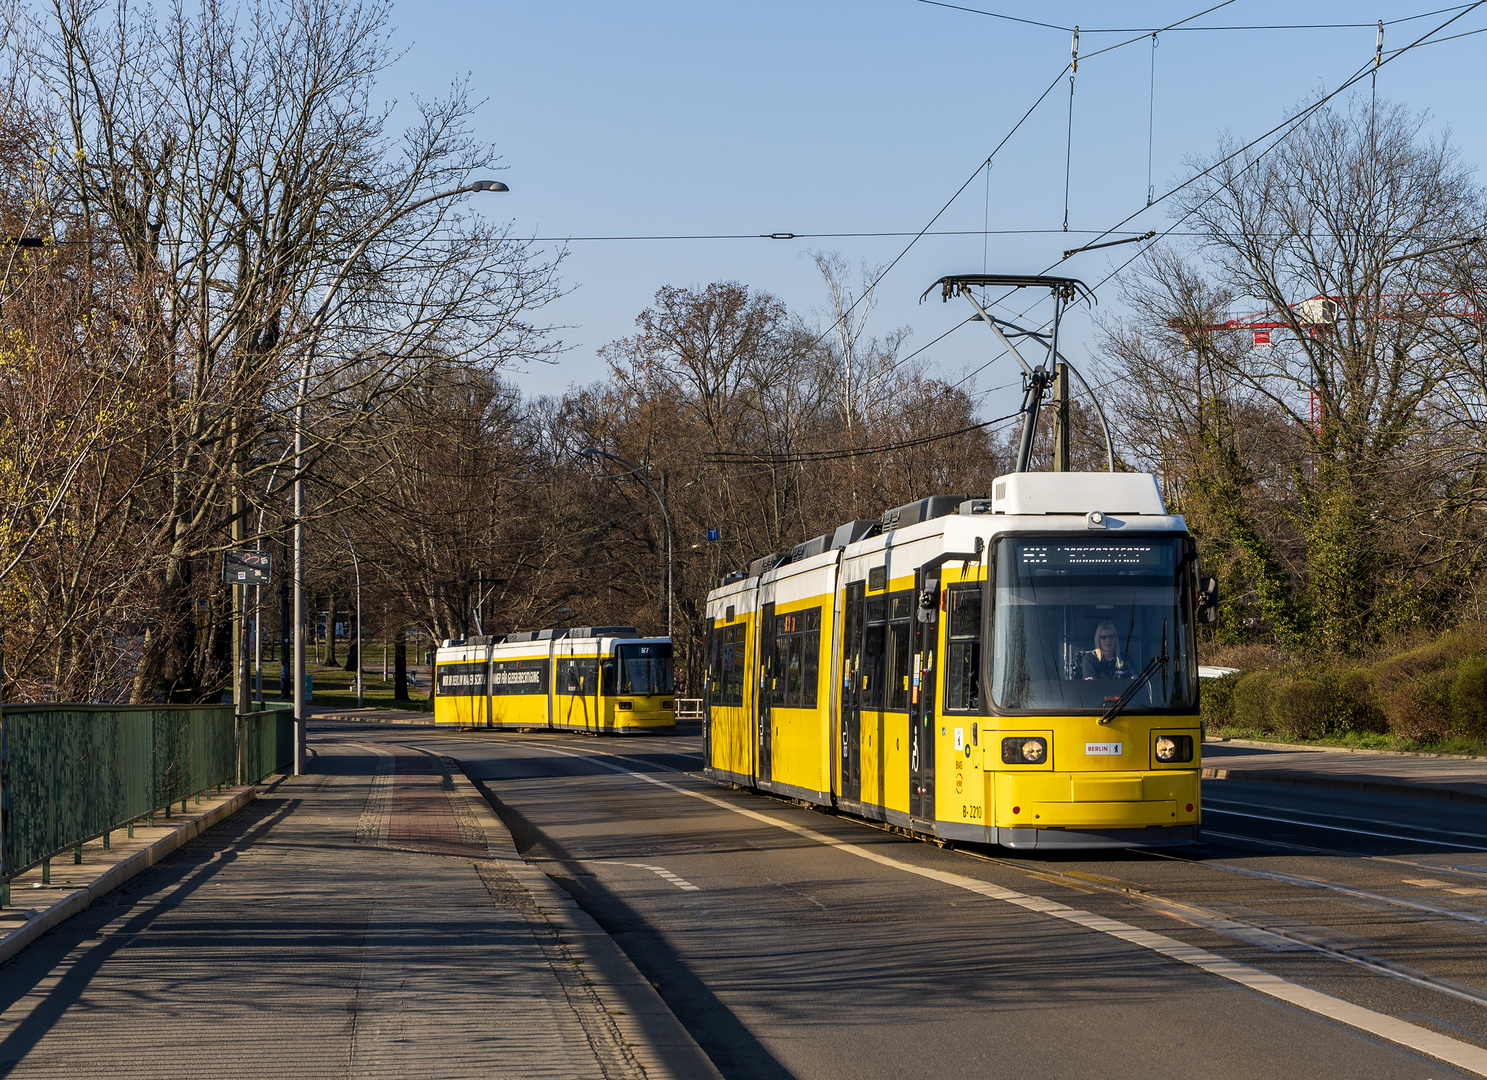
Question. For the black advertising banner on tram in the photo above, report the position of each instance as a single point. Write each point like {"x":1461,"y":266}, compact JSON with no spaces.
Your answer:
{"x":509,"y":676}
{"x":461,"y":680}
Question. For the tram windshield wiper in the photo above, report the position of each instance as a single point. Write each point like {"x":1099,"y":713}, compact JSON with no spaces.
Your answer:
{"x":1141,"y":680}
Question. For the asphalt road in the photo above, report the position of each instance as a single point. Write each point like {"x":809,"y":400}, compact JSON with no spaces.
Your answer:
{"x":794,"y":943}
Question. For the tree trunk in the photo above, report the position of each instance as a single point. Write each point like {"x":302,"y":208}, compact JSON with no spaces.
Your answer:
{"x":330,"y":632}
{"x":400,"y":668}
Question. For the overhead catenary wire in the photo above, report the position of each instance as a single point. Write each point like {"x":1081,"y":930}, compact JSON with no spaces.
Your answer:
{"x":1291,"y":121}
{"x":1192,"y":29}
{"x":726,"y":457}
{"x":1371,"y":67}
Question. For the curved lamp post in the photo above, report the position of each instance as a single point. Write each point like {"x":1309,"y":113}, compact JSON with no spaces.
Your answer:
{"x":313,"y":330}
{"x":594,"y":451}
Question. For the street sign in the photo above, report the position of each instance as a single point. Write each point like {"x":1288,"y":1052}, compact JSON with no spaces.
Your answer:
{"x":247,"y":567}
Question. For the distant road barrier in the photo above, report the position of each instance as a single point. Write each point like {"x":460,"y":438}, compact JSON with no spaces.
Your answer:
{"x":689,"y":708}
{"x":73,"y":773}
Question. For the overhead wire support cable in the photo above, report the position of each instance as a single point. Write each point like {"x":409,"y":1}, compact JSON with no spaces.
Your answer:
{"x":1289,"y":122}
{"x":1070,"y":252}
{"x":1069,"y":144}
{"x":1151,"y":114}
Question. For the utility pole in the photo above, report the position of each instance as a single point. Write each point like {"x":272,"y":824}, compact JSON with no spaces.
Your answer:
{"x":1060,"y":417}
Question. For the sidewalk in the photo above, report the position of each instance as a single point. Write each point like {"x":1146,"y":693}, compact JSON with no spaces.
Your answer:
{"x":402,"y":717}
{"x":1432,"y":776}
{"x":371,"y":918}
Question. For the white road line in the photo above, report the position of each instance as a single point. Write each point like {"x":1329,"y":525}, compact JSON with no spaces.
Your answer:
{"x":1349,"y":890}
{"x":1352,"y":818}
{"x":661,"y":871}
{"x":1208,"y":807}
{"x":1452,"y":1051}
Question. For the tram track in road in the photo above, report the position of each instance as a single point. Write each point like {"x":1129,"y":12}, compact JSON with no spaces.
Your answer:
{"x":1272,"y":938}
{"x":1210,"y":808}
{"x":1268,"y":936}
{"x":668,"y":768}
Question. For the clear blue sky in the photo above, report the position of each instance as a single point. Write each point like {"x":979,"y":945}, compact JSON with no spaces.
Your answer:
{"x":665,"y":118}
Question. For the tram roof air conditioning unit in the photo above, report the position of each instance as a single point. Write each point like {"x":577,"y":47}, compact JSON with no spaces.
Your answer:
{"x":810,"y":547}
{"x":522,"y":635}
{"x":854,"y":531}
{"x":765,"y":563}
{"x":603,"y":631}
{"x":1076,"y":493}
{"x":921,"y":510}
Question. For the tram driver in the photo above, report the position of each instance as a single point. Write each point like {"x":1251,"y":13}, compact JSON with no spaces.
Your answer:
{"x":1104,"y":660}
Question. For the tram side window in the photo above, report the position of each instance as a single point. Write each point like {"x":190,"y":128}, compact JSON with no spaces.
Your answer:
{"x":963,"y":649}
{"x":795,"y":660}
{"x":733,"y":665}
{"x":898,"y":654}
{"x":874,"y":648}
{"x":578,"y":676}
{"x":811,"y":663}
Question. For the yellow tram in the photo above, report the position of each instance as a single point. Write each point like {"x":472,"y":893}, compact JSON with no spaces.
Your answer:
{"x":1019,"y":670}
{"x":596,"y":679}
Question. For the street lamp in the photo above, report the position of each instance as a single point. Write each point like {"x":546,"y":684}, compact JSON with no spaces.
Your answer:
{"x":356,"y":563}
{"x":635,"y":469}
{"x":313,"y":330}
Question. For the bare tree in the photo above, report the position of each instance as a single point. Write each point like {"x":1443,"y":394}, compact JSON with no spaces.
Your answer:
{"x":1348,"y":238}
{"x":290,"y":250}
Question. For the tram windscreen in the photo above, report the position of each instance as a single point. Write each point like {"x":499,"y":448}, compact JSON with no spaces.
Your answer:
{"x":1076,"y":619}
{"x":645,"y":669}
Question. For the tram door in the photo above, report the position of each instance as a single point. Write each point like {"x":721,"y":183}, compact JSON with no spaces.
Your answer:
{"x":712,"y":669}
{"x":922,"y":709}
{"x":850,"y":748}
{"x":767,"y":666}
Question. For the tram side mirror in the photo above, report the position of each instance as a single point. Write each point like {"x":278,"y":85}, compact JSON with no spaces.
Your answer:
{"x":1208,"y":601}
{"x":929,"y":604}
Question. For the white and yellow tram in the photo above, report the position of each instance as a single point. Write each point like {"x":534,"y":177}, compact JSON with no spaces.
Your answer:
{"x":943,"y":669}
{"x":597,"y":679}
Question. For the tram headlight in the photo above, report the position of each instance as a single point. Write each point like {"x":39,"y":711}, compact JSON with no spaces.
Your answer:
{"x":1171,"y":748}
{"x":1024,"y":750}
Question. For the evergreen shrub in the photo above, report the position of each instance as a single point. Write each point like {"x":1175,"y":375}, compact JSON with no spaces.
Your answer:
{"x":1469,"y":697}
{"x":1254,"y":694}
{"x":1421,"y":708}
{"x":1303,"y":708}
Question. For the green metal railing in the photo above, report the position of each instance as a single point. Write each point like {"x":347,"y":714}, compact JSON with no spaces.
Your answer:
{"x":72,"y":773}
{"x":268,"y":743}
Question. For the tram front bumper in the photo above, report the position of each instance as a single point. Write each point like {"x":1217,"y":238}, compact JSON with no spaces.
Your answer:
{"x":1095,"y":801}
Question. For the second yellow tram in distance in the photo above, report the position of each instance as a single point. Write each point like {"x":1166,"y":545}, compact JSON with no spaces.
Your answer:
{"x":1019,"y":670}
{"x":603,"y":680}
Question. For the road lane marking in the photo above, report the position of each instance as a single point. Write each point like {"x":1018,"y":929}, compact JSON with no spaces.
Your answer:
{"x":1351,"y":818}
{"x":1209,"y":808}
{"x":659,"y":871}
{"x":1452,"y":1051}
